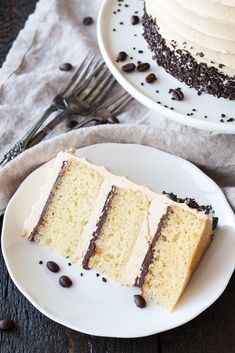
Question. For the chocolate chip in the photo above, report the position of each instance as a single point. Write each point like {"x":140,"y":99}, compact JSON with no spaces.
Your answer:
{"x":87,"y":21}
{"x":65,"y":282}
{"x":143,"y":67}
{"x":135,"y":20}
{"x":6,"y":324}
{"x":177,"y":94}
{"x":121,"y":56}
{"x":150,"y":78}
{"x":53,"y":267}
{"x":66,"y":67}
{"x":128,"y":67}
{"x":40,"y":262}
{"x":71,"y":123}
{"x":104,"y":279}
{"x":139,"y":301}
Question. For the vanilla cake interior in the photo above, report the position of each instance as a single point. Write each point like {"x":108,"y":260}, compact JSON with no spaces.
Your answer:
{"x":122,"y":230}
{"x":175,"y":253}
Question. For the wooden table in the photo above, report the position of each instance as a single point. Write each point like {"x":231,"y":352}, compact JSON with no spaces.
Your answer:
{"x":211,"y":332}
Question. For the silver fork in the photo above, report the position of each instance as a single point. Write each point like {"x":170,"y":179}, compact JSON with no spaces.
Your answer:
{"x":107,"y":113}
{"x":90,"y":96}
{"x":84,"y":74}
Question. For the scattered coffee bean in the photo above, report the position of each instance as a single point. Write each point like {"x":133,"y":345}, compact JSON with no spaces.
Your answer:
{"x":53,"y":267}
{"x":143,"y":67}
{"x":151,"y":78}
{"x":40,"y":262}
{"x":6,"y":324}
{"x":128,"y":67}
{"x":104,"y":279}
{"x":139,"y":301}
{"x":65,"y":282}
{"x":177,"y":94}
{"x":71,"y":123}
{"x":135,"y":20}
{"x":87,"y":21}
{"x":121,"y":56}
{"x":66,"y":67}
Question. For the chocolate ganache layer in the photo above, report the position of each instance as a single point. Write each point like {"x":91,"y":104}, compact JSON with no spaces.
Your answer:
{"x":99,"y":225}
{"x":181,"y":64}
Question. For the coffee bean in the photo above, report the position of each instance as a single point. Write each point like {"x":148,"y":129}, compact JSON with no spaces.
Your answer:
{"x":6,"y":324}
{"x":128,"y":67}
{"x":66,"y":67}
{"x":52,"y":266}
{"x":65,"y":282}
{"x":71,"y":123}
{"x":121,"y":56}
{"x":135,"y":20}
{"x":87,"y":21}
{"x":177,"y":94}
{"x":139,"y":301}
{"x":150,"y":78}
{"x":143,"y":67}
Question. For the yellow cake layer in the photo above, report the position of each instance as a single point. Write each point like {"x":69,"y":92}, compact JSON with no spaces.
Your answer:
{"x":69,"y":208}
{"x":119,"y":232}
{"x":183,"y":241}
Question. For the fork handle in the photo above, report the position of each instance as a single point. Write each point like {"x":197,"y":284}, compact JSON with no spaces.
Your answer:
{"x":21,"y":145}
{"x":48,"y":128}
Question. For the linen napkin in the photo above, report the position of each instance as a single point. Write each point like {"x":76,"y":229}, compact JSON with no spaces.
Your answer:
{"x":30,"y":78}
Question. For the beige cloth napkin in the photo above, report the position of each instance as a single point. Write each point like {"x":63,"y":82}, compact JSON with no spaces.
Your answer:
{"x":30,"y":78}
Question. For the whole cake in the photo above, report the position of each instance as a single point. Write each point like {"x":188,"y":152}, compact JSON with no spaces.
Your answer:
{"x":119,"y":228}
{"x":194,"y":40}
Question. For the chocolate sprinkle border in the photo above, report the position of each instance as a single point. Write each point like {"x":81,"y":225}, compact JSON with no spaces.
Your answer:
{"x":182,"y":65}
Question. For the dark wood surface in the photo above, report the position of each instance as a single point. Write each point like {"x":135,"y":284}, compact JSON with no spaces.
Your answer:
{"x":211,"y":332}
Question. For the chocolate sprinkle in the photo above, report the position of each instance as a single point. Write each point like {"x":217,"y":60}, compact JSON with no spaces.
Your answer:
{"x":104,"y":279}
{"x":139,"y":301}
{"x":183,"y":66}
{"x":40,"y":262}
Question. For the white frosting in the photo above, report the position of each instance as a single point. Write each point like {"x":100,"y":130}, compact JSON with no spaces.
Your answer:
{"x":158,"y":207}
{"x":207,"y":26}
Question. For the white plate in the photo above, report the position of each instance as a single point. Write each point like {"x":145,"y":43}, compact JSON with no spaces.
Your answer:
{"x":106,"y":309}
{"x":124,"y":39}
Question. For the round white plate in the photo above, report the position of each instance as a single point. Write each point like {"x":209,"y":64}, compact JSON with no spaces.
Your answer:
{"x":106,"y":309}
{"x":128,"y":38}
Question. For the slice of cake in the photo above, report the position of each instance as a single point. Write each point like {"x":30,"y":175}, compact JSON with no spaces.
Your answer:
{"x":182,"y":237}
{"x":194,"y":40}
{"x":123,"y":230}
{"x":67,"y":198}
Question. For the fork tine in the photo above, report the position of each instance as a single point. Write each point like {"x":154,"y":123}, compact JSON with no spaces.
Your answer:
{"x":117,"y":104}
{"x":82,"y":88}
{"x":76,"y":75}
{"x":97,"y":86}
{"x":101,"y":91}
